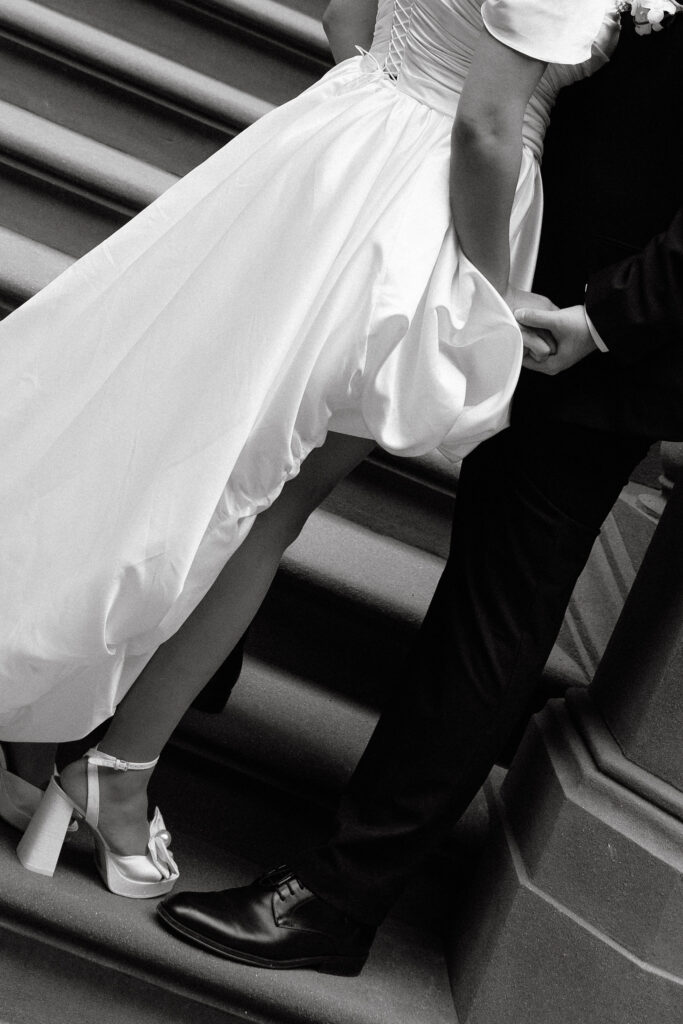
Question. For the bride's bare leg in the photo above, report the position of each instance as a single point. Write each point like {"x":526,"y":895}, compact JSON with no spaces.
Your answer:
{"x":183,"y":665}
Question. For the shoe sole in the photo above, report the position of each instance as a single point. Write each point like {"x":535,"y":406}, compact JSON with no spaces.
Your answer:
{"x":344,"y":966}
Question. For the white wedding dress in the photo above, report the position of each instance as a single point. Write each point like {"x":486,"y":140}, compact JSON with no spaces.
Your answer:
{"x":158,"y":394}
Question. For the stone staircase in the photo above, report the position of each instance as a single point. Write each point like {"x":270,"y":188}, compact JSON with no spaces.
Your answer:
{"x":102,"y":106}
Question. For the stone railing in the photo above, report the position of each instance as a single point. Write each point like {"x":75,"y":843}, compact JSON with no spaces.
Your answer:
{"x":576,"y":913}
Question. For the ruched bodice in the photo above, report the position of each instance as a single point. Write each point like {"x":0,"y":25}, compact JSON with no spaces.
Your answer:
{"x":425,"y":47}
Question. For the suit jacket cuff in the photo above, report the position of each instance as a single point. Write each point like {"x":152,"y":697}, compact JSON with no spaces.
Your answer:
{"x":607,"y":313}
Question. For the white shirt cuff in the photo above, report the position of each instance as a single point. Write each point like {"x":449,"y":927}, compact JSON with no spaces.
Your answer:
{"x":599,"y":343}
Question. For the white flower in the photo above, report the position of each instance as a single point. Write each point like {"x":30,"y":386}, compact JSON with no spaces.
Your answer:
{"x":648,"y":15}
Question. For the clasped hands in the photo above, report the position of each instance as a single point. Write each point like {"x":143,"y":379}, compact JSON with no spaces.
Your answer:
{"x":554,"y":339}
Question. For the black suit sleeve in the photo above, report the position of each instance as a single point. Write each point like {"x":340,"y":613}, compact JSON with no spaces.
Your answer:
{"x":636,"y":305}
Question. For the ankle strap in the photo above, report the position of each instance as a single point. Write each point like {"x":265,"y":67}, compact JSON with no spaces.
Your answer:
{"x":98,"y":759}
{"x":102,"y":760}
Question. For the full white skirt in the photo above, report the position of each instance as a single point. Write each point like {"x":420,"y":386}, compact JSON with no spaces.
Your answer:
{"x":158,"y":394}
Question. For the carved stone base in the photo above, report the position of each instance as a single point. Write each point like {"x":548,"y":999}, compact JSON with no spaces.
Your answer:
{"x":576,"y":913}
{"x":604,"y":584}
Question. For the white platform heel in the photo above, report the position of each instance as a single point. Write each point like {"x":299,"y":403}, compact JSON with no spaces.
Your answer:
{"x":138,"y":876}
{"x":19,"y":799}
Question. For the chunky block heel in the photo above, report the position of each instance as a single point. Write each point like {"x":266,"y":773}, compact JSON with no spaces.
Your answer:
{"x":19,"y":799}
{"x":42,"y":842}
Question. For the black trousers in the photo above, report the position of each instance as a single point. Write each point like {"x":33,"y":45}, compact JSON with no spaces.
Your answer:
{"x":529,"y":506}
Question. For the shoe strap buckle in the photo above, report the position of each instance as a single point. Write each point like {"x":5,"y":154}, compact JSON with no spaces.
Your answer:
{"x":102,"y":760}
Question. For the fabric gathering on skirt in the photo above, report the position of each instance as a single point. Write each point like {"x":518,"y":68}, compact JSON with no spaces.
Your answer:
{"x":158,"y":394}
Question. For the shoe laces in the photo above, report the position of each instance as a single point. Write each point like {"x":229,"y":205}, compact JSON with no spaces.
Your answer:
{"x":283,"y":881}
{"x":288,"y":887}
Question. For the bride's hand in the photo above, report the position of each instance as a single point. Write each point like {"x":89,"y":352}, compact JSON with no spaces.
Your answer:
{"x":572,"y":336}
{"x":517,"y":298}
{"x":538,"y":344}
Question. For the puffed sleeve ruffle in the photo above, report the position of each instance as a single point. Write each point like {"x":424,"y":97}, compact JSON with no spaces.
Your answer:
{"x":555,"y":31}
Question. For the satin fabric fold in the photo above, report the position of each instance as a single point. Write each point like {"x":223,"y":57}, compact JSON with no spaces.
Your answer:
{"x":158,"y":394}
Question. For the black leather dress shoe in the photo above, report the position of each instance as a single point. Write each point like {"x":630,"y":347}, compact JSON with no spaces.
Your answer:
{"x":274,"y":922}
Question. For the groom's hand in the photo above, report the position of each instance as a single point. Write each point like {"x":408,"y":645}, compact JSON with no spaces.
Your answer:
{"x":569,"y":329}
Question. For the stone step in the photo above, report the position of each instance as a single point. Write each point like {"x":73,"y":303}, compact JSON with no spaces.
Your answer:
{"x":142,"y":95}
{"x":313,"y":8}
{"x":345,"y":606}
{"x":26,"y":267}
{"x":148,"y":109}
{"x":91,"y":167}
{"x":204,"y":39}
{"x":42,"y":208}
{"x":410,"y":500}
{"x":171,"y":57}
{"x":283,"y":730}
{"x":117,"y":61}
{"x":65,"y":190}
{"x":103,"y":957}
{"x":293,"y":28}
{"x":133,"y":57}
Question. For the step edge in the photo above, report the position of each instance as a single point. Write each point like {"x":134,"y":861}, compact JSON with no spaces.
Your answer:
{"x":241,"y":1000}
{"x":303,"y":30}
{"x":301,"y":562}
{"x":76,"y":158}
{"x":33,"y":927}
{"x":39,"y":264}
{"x":210,"y":749}
{"x":128,"y":64}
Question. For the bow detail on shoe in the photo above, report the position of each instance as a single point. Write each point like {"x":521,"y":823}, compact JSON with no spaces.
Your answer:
{"x":159,"y":847}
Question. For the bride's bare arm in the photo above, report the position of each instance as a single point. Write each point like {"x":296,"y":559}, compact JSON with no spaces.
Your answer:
{"x":486,"y":153}
{"x":348,"y":24}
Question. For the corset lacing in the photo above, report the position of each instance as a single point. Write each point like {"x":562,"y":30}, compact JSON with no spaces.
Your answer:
{"x":400,"y":26}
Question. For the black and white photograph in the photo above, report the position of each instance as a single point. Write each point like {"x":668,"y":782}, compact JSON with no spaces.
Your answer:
{"x":341,"y":511}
